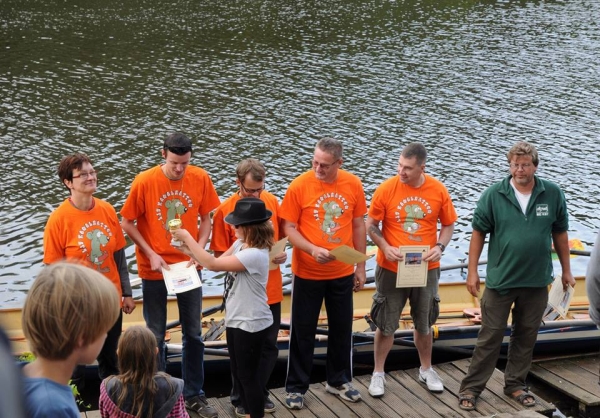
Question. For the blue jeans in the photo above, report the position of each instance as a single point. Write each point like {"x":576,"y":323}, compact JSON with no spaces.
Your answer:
{"x":190,"y":311}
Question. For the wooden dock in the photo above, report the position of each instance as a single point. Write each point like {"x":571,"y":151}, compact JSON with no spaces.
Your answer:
{"x":405,"y":396}
{"x":576,"y":377}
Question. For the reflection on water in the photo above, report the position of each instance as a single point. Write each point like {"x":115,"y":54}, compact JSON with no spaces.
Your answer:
{"x":266,"y":80}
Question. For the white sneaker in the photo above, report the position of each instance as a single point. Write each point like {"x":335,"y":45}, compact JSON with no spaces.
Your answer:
{"x":377,"y":386}
{"x":431,"y":379}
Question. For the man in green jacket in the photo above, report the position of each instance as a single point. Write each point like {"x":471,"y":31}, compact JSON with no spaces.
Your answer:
{"x":524,"y":215}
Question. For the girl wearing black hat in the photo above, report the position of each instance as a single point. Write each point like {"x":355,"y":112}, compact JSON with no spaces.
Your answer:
{"x":247,"y":314}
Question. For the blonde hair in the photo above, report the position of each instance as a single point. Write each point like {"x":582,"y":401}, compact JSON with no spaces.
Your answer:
{"x":523,"y":148}
{"x":137,"y":367}
{"x":68,"y":304}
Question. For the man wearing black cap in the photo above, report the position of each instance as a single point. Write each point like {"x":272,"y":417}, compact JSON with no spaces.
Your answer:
{"x":172,"y":190}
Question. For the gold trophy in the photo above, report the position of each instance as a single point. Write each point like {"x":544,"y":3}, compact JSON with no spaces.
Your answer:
{"x":173,"y":225}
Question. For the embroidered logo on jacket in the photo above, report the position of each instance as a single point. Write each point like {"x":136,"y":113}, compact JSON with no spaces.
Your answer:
{"x":542,"y":210}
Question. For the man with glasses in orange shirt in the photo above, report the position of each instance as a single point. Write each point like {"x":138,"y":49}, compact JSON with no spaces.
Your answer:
{"x":323,"y":208}
{"x":250,"y":178}
{"x":524,"y":215}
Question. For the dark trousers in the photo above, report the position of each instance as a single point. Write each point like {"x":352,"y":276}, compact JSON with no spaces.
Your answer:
{"x":107,"y":359}
{"x":268,"y":357}
{"x":307,"y":298}
{"x":528,"y":305}
{"x":245,"y":352}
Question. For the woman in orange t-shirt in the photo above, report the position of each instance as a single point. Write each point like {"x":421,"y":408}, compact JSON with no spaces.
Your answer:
{"x":86,"y":229}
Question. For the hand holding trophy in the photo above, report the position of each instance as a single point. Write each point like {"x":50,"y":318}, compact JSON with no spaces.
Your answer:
{"x":175,"y":224}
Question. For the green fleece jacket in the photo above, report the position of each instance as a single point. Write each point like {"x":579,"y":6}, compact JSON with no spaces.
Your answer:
{"x":519,"y":250}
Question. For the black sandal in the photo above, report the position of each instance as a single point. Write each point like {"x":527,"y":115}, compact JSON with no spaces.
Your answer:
{"x":523,"y":399}
{"x":467,"y":397}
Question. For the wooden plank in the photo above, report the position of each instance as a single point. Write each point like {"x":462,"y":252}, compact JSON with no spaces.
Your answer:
{"x":405,"y":396}
{"x":443,"y":404}
{"x":223,"y":406}
{"x":396,"y":400}
{"x":572,"y":372}
{"x":497,"y":400}
{"x":328,"y":404}
{"x":558,"y":382}
{"x":589,"y":363}
{"x":487,"y":403}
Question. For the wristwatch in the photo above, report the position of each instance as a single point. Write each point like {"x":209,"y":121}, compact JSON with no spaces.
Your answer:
{"x":442,"y":246}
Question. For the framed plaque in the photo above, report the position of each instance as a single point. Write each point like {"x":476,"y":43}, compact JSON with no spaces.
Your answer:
{"x":412,"y":271}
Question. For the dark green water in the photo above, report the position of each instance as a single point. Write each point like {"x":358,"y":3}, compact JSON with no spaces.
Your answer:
{"x":267,"y":79}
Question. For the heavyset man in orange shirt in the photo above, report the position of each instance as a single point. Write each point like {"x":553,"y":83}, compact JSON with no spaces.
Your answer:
{"x":172,"y":190}
{"x":409,"y":207}
{"x":250,"y":178}
{"x":323,"y":209}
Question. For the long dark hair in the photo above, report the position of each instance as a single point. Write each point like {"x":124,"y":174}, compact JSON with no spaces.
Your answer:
{"x":137,"y":366}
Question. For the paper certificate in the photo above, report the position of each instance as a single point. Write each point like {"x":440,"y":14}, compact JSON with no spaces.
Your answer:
{"x":412,"y":271}
{"x":180,"y":278}
{"x":348,"y":255}
{"x":277,"y":249}
{"x":560,"y":299}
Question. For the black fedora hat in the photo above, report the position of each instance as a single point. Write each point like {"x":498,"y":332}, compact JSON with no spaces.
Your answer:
{"x":249,"y":211}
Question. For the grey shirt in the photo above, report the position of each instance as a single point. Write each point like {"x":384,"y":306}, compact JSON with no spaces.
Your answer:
{"x":246,"y":306}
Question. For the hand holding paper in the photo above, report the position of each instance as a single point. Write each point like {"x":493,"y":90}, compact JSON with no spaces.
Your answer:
{"x":181,"y":278}
{"x":348,"y":255}
{"x":276,"y":254}
{"x":560,"y":299}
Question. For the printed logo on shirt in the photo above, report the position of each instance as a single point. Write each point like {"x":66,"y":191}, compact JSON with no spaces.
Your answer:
{"x":542,"y":210}
{"x":171,"y":205}
{"x":333,"y":206}
{"x":92,"y":238}
{"x":409,"y":211}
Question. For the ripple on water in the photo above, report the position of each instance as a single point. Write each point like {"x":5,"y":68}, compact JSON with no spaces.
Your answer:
{"x":467,"y":80}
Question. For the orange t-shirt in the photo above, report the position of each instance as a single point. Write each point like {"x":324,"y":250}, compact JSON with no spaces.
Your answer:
{"x":323,"y":214}
{"x":154,"y":200}
{"x":92,"y":236}
{"x":410,"y":215}
{"x":223,"y":237}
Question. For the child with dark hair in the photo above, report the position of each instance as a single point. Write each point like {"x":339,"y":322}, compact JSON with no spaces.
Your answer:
{"x":139,"y":390}
{"x":247,"y":314}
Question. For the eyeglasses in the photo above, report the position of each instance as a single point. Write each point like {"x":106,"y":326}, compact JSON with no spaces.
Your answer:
{"x":251,"y":191}
{"x":85,"y":175}
{"x":525,"y":166}
{"x":324,"y":166}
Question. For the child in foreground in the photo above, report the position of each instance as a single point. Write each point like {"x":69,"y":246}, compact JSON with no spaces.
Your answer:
{"x":247,"y":314}
{"x":67,"y":313}
{"x":139,"y":390}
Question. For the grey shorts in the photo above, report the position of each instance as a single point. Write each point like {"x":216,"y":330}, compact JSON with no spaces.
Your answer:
{"x":388,"y":302}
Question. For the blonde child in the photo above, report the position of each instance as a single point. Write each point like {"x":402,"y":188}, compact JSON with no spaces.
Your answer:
{"x":139,"y":390}
{"x":247,"y":316}
{"x":67,"y":313}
